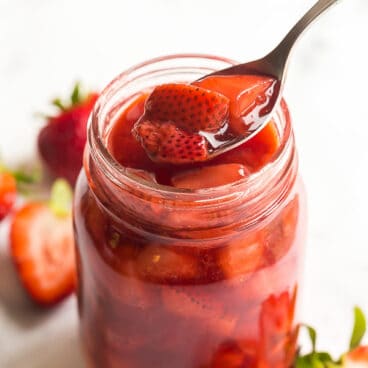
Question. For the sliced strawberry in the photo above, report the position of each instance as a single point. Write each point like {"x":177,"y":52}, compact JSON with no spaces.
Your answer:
{"x":267,"y":280}
{"x":122,"y":283}
{"x":162,"y":264}
{"x":280,"y":234}
{"x":8,"y":193}
{"x":188,"y":107}
{"x":166,"y":143}
{"x":246,"y":93}
{"x":243,"y":91}
{"x":277,"y":331}
{"x":193,"y":301}
{"x":42,"y":248}
{"x":210,"y":176}
{"x":236,"y":354}
{"x":174,"y":116}
{"x":229,"y":355}
{"x":242,"y":256}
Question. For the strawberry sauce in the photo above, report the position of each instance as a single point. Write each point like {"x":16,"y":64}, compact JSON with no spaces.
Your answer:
{"x":248,"y":95}
{"x":191,"y":279}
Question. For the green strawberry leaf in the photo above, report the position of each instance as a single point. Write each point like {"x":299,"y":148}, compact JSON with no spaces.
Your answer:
{"x":61,"y":198}
{"x":24,"y":177}
{"x":312,"y":335}
{"x":321,"y":359}
{"x":358,"y":329}
{"x":303,"y":362}
{"x":27,"y":175}
{"x":59,"y":104}
{"x":315,"y":359}
{"x":76,"y":97}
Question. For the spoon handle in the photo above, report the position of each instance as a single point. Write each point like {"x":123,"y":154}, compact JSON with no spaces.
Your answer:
{"x":279,"y":56}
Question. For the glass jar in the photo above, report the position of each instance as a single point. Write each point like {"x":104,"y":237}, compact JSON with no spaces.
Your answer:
{"x":174,"y":278}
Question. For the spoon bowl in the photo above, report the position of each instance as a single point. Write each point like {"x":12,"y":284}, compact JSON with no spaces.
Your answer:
{"x":274,"y":65}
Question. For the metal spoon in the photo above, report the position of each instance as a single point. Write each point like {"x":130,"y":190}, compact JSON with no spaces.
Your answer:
{"x":273,"y":64}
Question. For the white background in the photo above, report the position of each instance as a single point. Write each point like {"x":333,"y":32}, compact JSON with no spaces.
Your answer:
{"x":46,"y":45}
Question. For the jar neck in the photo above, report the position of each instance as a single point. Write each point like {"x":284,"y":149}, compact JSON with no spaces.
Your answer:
{"x":160,"y":209}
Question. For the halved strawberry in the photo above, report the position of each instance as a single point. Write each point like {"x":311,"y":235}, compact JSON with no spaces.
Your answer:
{"x":188,"y":107}
{"x":174,"y":116}
{"x":236,"y":354}
{"x":161,"y":264}
{"x":246,"y":93}
{"x":278,"y":336}
{"x":164,"y":142}
{"x":229,"y":354}
{"x":209,"y":176}
{"x":194,"y":301}
{"x":42,"y":247}
{"x":280,"y":234}
{"x":242,"y":256}
{"x":243,"y":91}
{"x":8,"y":193}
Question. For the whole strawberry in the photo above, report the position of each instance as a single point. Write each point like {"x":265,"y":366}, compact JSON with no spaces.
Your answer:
{"x":61,"y":141}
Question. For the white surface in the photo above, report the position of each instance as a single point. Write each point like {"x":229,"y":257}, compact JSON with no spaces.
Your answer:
{"x":46,"y":45}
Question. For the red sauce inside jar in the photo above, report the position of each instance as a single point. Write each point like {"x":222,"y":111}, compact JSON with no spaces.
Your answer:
{"x":245,"y":101}
{"x":189,"y":302}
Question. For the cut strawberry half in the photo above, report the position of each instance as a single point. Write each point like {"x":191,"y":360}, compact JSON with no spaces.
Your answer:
{"x":278,"y":345}
{"x":174,"y":117}
{"x":242,"y":256}
{"x":243,"y":91}
{"x":42,"y":248}
{"x":229,"y":355}
{"x":164,"y":142}
{"x":280,"y":234}
{"x":8,"y":193}
{"x":161,"y":264}
{"x":236,"y":354}
{"x":193,"y":301}
{"x":188,"y":107}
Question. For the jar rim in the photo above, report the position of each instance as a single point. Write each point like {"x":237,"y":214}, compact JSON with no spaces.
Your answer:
{"x":120,"y":176}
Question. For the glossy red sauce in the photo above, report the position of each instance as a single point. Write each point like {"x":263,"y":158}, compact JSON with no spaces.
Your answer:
{"x":190,"y":300}
{"x":247,"y":96}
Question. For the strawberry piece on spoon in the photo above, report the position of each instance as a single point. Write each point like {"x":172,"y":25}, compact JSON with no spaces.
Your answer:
{"x":175,"y":116}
